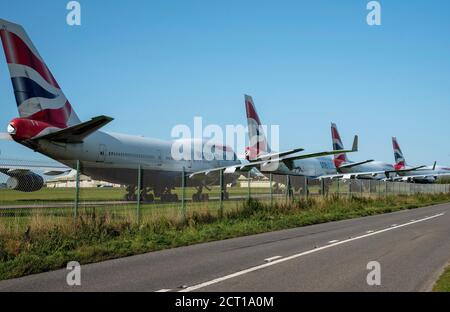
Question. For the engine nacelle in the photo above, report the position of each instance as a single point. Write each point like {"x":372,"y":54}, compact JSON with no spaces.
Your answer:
{"x":29,"y":182}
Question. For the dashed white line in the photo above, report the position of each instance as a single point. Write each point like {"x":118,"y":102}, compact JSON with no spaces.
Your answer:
{"x":263,"y":266}
{"x":163,"y":290}
{"x":272,"y":258}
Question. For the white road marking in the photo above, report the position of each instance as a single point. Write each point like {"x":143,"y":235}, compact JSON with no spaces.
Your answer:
{"x":163,"y":290}
{"x":368,"y":232}
{"x":333,"y":241}
{"x":394,"y":225}
{"x":263,"y":266}
{"x":272,"y":258}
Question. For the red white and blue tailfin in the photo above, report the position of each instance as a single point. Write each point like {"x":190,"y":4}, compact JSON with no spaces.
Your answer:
{"x":38,"y":95}
{"x":400,"y":162}
{"x":257,"y":138}
{"x":339,"y":159}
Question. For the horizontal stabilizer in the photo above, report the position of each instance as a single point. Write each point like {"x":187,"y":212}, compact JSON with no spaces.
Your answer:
{"x":77,"y":133}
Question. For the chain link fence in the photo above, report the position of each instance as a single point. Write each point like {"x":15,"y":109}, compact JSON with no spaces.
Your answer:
{"x":31,"y":195}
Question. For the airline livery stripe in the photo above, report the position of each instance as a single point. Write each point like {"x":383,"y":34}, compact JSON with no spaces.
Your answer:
{"x":17,"y":52}
{"x":25,"y":88}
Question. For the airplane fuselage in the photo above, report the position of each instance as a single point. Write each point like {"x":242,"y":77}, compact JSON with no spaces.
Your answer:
{"x":310,"y":168}
{"x":372,"y":166}
{"x":116,"y":158}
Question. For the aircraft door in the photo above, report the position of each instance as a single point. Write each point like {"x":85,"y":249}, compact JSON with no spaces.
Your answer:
{"x":159,"y":158}
{"x":102,"y":150}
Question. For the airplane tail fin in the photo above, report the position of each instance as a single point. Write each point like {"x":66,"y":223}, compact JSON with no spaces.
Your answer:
{"x":38,"y":95}
{"x":400,"y":162}
{"x":339,"y":159}
{"x":257,"y":138}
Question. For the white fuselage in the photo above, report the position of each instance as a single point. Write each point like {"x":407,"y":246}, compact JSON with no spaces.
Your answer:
{"x":116,"y":158}
{"x":302,"y":168}
{"x":373,"y":166}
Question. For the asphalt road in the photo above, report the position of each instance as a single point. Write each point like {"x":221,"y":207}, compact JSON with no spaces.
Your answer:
{"x":412,"y":247}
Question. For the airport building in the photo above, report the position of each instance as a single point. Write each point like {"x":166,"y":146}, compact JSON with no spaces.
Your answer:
{"x":69,"y":180}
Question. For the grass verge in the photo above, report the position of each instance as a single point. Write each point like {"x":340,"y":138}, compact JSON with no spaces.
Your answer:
{"x":443,"y":283}
{"x":47,"y":245}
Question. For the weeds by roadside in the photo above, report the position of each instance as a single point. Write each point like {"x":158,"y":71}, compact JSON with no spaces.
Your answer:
{"x":48,"y":243}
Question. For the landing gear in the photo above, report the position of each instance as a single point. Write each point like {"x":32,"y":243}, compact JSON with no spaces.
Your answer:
{"x":132,"y":196}
{"x":131,"y":193}
{"x":146,"y":197}
{"x":169,"y":198}
{"x":199,"y":196}
{"x":277,"y":189}
{"x":166,"y":195}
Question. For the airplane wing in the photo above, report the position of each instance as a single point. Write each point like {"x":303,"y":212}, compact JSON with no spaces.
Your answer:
{"x":287,"y":160}
{"x":366,"y":174}
{"x":350,"y":176}
{"x":77,"y":133}
{"x":405,"y":170}
{"x":423,"y":176}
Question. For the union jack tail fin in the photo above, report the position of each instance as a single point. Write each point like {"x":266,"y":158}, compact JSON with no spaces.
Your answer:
{"x":339,"y":159}
{"x":257,"y":138}
{"x":400,"y":162}
{"x":38,"y":95}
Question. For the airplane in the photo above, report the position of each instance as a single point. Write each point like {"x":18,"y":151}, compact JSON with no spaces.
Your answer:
{"x":281,"y":164}
{"x":367,"y":169}
{"x":427,"y":174}
{"x":48,"y":124}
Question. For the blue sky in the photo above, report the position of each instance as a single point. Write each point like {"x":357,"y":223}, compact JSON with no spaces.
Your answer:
{"x":154,"y":64}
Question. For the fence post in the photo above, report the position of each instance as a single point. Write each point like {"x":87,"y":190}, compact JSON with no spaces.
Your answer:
{"x":77,"y":191}
{"x":306,"y":188}
{"x":271,"y":190}
{"x":288,"y":181}
{"x":138,"y":196}
{"x":322,"y":187}
{"x":221,"y":195}
{"x":248,"y":185}
{"x":183,"y":193}
{"x":338,"y":190}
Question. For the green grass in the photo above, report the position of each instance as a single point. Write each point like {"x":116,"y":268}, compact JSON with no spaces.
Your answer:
{"x":44,"y":243}
{"x":49,"y":195}
{"x":443,"y":283}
